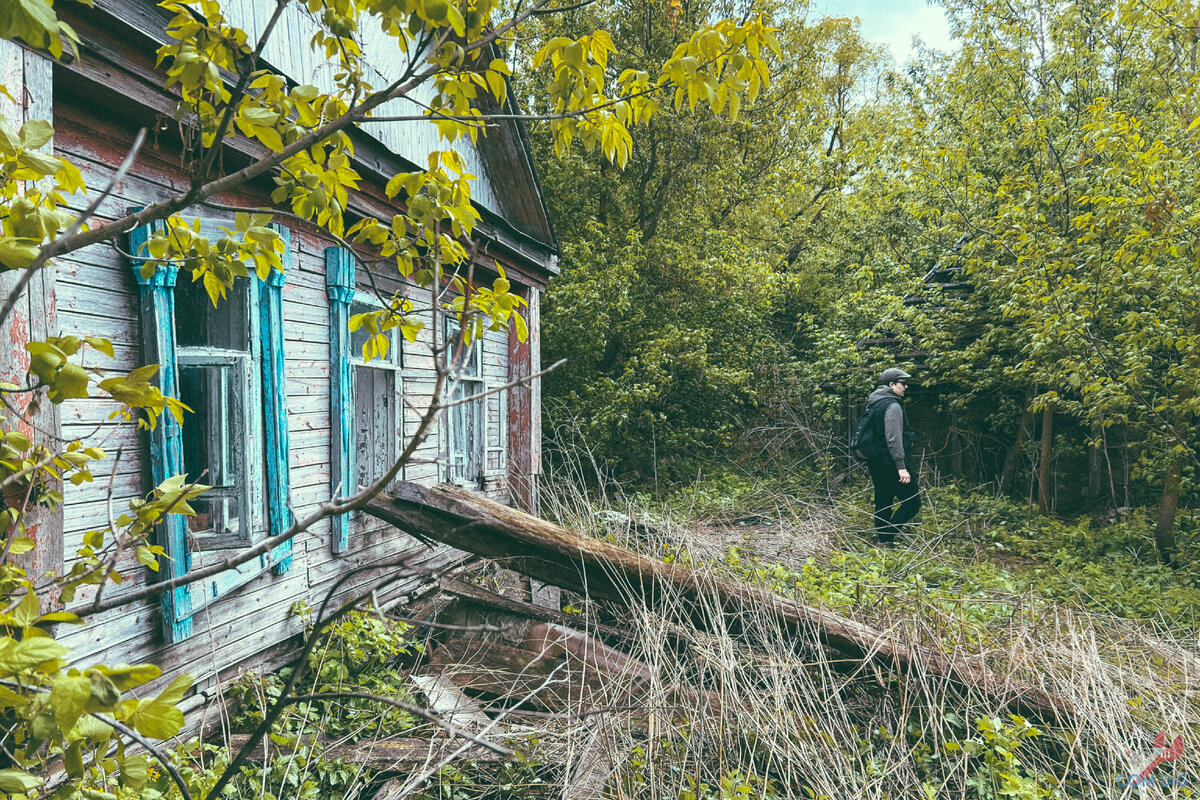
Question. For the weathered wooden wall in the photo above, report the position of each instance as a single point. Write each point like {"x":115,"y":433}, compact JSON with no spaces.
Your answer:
{"x":97,"y":295}
{"x":28,"y":78}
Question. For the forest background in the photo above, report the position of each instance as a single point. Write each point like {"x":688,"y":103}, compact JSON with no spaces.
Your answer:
{"x":1013,"y":220}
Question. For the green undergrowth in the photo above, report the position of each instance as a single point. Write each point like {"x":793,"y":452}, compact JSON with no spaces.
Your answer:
{"x":528,"y":775}
{"x":728,"y":493}
{"x":984,"y":560}
{"x":364,"y":653}
{"x":1106,"y":564}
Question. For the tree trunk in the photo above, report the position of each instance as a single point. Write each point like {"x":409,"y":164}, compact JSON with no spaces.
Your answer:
{"x":956,"y":447}
{"x":1013,"y":458}
{"x":601,"y":569}
{"x":1044,"y":459}
{"x":1095,"y":467}
{"x":1168,"y":506}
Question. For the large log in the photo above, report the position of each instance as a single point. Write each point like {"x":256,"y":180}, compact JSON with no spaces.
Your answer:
{"x":601,"y":569}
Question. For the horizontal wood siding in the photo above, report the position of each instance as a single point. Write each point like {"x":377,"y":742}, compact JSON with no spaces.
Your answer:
{"x":97,"y":295}
{"x":288,"y":51}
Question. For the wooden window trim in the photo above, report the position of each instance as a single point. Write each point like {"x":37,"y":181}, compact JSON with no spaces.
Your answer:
{"x":157,"y":294}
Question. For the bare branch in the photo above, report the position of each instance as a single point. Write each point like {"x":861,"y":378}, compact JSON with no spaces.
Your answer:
{"x":236,"y":95}
{"x":333,"y":508}
{"x":583,"y":112}
{"x":504,"y":388}
{"x":423,"y":713}
{"x":149,"y":745}
{"x":563,"y":9}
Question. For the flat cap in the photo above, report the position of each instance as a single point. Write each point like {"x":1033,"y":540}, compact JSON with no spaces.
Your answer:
{"x":891,"y":375}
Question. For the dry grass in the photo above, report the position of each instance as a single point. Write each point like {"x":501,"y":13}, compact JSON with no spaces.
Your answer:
{"x":748,"y":709}
{"x":789,"y":717}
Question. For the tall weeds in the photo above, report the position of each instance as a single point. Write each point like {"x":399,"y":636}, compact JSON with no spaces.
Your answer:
{"x":744,"y":708}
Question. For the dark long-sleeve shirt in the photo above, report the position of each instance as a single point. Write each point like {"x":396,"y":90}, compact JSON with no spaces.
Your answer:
{"x":893,"y":424}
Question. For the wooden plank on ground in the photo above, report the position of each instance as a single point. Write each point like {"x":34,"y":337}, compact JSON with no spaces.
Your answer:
{"x":383,"y":755}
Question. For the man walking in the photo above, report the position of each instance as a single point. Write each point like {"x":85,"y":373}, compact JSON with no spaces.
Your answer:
{"x":897,"y":498}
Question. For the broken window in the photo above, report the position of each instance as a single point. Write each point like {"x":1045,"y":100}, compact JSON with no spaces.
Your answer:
{"x":217,"y":360}
{"x":222,"y":437}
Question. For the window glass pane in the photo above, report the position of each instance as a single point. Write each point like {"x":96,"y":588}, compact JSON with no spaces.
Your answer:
{"x":213,"y":394}
{"x":466,"y":443}
{"x":359,"y":337}
{"x":468,"y":358}
{"x":198,"y":324}
{"x":215,"y":514}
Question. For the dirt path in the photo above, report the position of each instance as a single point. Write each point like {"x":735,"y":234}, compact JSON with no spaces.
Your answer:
{"x":787,"y":538}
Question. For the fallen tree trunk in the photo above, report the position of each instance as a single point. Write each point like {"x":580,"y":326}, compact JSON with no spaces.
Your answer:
{"x":601,"y":569}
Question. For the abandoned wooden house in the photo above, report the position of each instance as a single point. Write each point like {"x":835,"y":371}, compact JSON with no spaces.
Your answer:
{"x":285,"y":411}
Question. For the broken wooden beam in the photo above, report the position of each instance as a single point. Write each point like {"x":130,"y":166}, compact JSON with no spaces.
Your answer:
{"x":514,"y":675}
{"x":598,"y":568}
{"x":492,"y":600}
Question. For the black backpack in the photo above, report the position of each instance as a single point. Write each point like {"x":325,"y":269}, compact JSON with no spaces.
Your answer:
{"x":867,"y":441}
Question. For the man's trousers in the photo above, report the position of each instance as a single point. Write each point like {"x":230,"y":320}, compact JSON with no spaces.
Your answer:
{"x":895,"y":503}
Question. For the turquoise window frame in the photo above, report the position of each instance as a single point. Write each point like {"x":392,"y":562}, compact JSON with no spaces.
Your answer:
{"x":339,"y":288}
{"x":157,"y":300}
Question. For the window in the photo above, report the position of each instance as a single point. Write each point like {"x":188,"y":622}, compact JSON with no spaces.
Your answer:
{"x":378,"y":404}
{"x":216,"y":351}
{"x":218,"y":361}
{"x":465,"y":419}
{"x":477,"y":429}
{"x":366,"y":401}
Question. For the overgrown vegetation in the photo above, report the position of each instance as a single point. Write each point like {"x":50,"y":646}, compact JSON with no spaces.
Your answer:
{"x":1013,"y":220}
{"x":1080,"y":607}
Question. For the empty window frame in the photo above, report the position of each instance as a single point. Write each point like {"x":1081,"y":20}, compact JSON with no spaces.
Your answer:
{"x":465,"y":418}
{"x":217,"y":350}
{"x":477,"y":421}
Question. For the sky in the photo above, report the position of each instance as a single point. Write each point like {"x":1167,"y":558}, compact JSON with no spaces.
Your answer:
{"x":892,"y":22}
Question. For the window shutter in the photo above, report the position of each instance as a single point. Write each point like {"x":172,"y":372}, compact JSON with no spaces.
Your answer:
{"x":339,"y":287}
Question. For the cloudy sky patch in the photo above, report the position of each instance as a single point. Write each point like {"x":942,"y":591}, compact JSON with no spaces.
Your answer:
{"x":893,"y":23}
